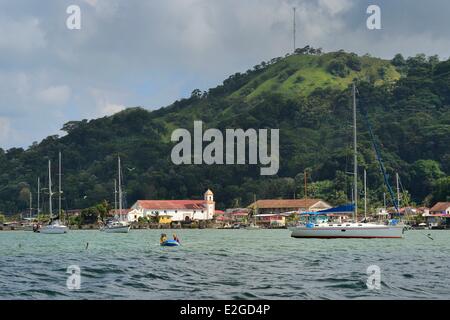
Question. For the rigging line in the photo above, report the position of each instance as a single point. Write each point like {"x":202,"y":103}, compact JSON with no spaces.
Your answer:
{"x":380,"y":161}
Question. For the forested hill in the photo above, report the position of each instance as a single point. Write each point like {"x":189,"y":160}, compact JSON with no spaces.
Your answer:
{"x":306,"y":95}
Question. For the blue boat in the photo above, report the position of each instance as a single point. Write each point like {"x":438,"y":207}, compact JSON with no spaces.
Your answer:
{"x":170,"y":243}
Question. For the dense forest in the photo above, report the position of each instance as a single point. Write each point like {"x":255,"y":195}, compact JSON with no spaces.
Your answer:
{"x":307,"y":95}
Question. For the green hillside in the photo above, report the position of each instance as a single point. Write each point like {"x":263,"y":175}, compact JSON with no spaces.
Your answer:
{"x":305,"y":95}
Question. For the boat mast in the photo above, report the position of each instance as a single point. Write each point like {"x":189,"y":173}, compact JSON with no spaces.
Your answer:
{"x":115,"y":196}
{"x":398,"y":190}
{"x":38,"y":197}
{"x":31,"y":201}
{"x":306,"y":184}
{"x":59,"y":191}
{"x":365,"y":194}
{"x":50,"y":189}
{"x":120,"y":192}
{"x":355,"y":154}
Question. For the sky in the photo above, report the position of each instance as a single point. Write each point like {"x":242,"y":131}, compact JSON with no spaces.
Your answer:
{"x":150,"y":53}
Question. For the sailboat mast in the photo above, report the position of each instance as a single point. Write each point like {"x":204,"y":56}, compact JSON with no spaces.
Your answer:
{"x":306,"y":184}
{"x":355,"y":154}
{"x":398,"y":190}
{"x":39,"y":197}
{"x":365,"y":194}
{"x":50,"y":188}
{"x":120,"y":192}
{"x":115,"y":196}
{"x":59,"y":191}
{"x":31,"y":201}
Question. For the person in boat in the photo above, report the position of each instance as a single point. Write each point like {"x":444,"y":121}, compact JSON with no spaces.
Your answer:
{"x":175,"y":238}
{"x":163,"y":238}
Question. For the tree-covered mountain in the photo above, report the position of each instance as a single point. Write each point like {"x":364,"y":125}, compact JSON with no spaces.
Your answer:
{"x":306,"y":95}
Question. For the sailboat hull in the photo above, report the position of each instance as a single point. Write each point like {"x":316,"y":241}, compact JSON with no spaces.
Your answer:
{"x":116,"y":229}
{"x":53,"y":229}
{"x":348,"y":231}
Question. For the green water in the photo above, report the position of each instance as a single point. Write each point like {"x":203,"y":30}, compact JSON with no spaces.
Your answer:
{"x":222,"y":264}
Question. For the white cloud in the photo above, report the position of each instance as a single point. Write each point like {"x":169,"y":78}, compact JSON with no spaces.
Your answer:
{"x":110,"y":109}
{"x":104,"y":106}
{"x":54,"y":95}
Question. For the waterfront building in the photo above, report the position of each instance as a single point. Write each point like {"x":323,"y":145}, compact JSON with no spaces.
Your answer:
{"x":271,"y":220}
{"x":439,"y":216}
{"x":283,"y":206}
{"x":441,"y":208}
{"x":176,"y":210}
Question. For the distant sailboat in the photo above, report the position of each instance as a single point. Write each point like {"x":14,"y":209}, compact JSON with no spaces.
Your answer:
{"x":54,"y":227}
{"x":117,"y":225}
{"x":352,"y":229}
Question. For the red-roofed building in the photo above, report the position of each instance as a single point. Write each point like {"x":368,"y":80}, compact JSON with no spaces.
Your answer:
{"x":441,"y":208}
{"x":178,"y":210}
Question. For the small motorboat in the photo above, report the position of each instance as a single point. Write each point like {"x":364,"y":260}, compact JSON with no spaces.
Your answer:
{"x":170,"y":243}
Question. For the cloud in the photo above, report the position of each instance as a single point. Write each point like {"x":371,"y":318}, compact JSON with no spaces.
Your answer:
{"x":334,"y":7}
{"x":104,"y":106}
{"x":151,"y":53}
{"x":54,"y":95}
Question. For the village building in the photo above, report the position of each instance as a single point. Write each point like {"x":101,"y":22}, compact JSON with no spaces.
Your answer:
{"x":168,"y":211}
{"x":439,"y":216}
{"x":441,"y":208}
{"x":287,"y":206}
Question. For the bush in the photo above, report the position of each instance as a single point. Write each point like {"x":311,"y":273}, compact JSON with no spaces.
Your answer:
{"x":353,"y":62}
{"x":338,"y":68}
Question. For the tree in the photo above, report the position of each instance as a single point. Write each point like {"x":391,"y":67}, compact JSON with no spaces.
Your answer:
{"x":441,"y":190}
{"x":337,"y":68}
{"x":398,"y":60}
{"x":424,"y":174}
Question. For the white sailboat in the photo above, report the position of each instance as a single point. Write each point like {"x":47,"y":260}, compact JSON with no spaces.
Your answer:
{"x":55,"y":227}
{"x":352,"y":229}
{"x":117,"y":226}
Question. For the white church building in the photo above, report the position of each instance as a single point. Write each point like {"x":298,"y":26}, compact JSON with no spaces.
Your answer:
{"x":177,"y":210}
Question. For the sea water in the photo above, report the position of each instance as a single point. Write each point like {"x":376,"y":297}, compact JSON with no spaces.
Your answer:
{"x":222,"y":264}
